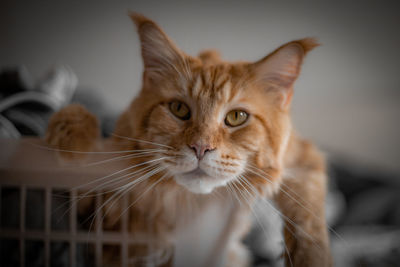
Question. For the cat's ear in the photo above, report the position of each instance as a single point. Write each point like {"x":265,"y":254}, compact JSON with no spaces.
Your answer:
{"x":160,"y":55}
{"x":279,"y":70}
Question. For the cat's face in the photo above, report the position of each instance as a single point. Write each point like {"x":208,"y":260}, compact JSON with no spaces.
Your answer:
{"x":213,"y":125}
{"x":217,"y":120}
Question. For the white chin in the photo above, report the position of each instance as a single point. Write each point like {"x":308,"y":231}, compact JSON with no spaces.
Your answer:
{"x":199,"y":185}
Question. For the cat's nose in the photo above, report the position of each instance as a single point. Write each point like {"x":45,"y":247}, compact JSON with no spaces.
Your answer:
{"x":201,"y":149}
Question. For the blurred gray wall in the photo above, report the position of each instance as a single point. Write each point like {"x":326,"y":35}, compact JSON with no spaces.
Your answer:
{"x":346,"y":100}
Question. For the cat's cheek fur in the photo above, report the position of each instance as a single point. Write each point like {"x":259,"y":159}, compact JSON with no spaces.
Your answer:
{"x":161,"y":126}
{"x":185,"y":163}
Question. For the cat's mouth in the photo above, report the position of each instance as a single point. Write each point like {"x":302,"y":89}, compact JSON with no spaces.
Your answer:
{"x":199,"y":181}
{"x":196,"y":173}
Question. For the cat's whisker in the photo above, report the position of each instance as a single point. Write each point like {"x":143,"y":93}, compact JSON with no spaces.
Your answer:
{"x":141,"y":141}
{"x":234,"y":193}
{"x":287,"y":219}
{"x":87,"y":194}
{"x":118,"y":172}
{"x":240,"y":195}
{"x":282,"y":183}
{"x":173,"y":154}
{"x":128,"y":188}
{"x":292,"y":223}
{"x":267,"y":177}
{"x":255,"y":193}
{"x":296,"y":200}
{"x":118,"y":180}
{"x":83,"y":152}
{"x":142,"y":195}
{"x":254,"y":190}
{"x":227,"y":189}
{"x":217,"y":194}
{"x":303,"y":205}
{"x":128,"y":175}
{"x":291,"y":197}
{"x":96,"y":188}
{"x":243,"y":178}
{"x":251,"y":196}
{"x":256,"y":171}
{"x":122,"y":190}
{"x":130,"y":156}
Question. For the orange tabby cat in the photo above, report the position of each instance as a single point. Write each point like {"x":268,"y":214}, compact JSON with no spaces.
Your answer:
{"x":211,"y":126}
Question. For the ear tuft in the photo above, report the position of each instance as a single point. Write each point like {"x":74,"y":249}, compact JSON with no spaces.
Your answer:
{"x":160,"y":55}
{"x":307,"y":44}
{"x":139,"y":19}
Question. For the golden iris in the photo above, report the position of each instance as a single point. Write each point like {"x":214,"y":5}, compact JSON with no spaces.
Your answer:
{"x":236,"y":117}
{"x":180,"y":110}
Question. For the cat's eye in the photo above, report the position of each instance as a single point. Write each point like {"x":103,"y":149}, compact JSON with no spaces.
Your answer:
{"x":180,"y":110}
{"x":236,"y":117}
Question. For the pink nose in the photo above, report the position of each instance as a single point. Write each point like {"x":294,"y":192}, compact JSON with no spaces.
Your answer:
{"x":201,"y":149}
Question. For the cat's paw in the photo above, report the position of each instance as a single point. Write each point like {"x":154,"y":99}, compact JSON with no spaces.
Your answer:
{"x":72,"y":131}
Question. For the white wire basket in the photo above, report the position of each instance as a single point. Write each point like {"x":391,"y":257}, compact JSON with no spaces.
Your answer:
{"x":40,"y":224}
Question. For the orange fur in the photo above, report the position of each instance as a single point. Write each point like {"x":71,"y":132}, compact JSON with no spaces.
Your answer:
{"x":262,"y":150}
{"x":73,"y":128}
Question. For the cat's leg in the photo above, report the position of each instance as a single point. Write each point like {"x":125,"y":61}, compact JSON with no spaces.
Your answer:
{"x":238,"y":255}
{"x":302,"y":201}
{"x":73,"y":128}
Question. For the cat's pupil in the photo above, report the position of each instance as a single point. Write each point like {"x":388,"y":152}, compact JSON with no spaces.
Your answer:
{"x":178,"y":108}
{"x":236,"y":115}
